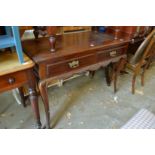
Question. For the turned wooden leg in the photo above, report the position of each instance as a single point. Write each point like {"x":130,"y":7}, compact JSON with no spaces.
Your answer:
{"x":133,"y":84}
{"x":34,"y":102}
{"x":92,"y":73}
{"x":21,"y":93}
{"x":44,"y":96}
{"x":33,"y":96}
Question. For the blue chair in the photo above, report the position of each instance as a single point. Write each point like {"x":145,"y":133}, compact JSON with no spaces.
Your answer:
{"x":12,"y":39}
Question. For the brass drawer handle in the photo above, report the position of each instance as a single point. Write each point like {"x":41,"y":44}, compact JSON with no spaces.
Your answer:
{"x":74,"y":64}
{"x":113,"y":53}
{"x":11,"y":80}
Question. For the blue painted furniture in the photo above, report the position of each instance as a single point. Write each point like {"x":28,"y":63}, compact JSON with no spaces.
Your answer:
{"x":102,"y":29}
{"x":12,"y":38}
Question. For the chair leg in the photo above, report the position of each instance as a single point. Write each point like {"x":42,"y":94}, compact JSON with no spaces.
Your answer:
{"x":17,"y":42}
{"x":133,"y":84}
{"x":150,"y":60}
{"x":144,"y":70}
{"x":142,"y":79}
{"x":142,"y":76}
{"x":116,"y":71}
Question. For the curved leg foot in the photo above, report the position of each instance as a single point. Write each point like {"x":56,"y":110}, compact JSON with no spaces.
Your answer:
{"x":44,"y":96}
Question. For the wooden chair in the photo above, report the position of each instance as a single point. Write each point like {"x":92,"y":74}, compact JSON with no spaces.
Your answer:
{"x":138,"y":63}
{"x":151,"y":56}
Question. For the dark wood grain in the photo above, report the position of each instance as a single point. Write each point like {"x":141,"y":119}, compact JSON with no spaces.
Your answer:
{"x":75,"y":53}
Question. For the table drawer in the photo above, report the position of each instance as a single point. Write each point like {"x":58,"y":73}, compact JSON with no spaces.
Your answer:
{"x":70,"y":65}
{"x":12,"y":80}
{"x":109,"y":54}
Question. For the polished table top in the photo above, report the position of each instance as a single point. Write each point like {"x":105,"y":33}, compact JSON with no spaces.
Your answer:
{"x":9,"y":63}
{"x":68,"y":44}
{"x":75,"y":53}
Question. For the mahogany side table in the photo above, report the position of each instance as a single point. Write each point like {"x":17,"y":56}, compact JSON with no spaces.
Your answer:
{"x":74,"y":53}
{"x":13,"y":74}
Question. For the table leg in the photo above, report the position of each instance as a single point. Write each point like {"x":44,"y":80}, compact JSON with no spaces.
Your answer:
{"x":34,"y":103}
{"x":44,"y":95}
{"x":108,"y":74}
{"x":33,"y":96}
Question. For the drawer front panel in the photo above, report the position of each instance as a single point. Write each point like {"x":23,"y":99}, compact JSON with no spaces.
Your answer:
{"x":12,"y":80}
{"x":109,"y":54}
{"x":70,"y":65}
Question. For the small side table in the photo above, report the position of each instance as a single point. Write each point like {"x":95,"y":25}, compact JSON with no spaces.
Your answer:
{"x":75,"y":54}
{"x":13,"y":74}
